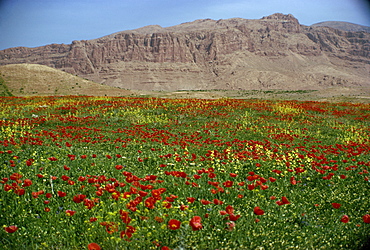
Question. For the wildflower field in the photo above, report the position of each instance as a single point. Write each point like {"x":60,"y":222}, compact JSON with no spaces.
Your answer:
{"x":150,"y":173}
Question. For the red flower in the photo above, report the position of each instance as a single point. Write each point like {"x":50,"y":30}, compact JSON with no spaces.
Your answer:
{"x":93,"y":246}
{"x":258,"y":211}
{"x":205,"y":202}
{"x":70,"y":212}
{"x":150,"y":202}
{"x":118,"y":167}
{"x":61,"y":194}
{"x":11,"y":229}
{"x":272,"y":179}
{"x":229,"y":209}
{"x":79,"y":198}
{"x":19,"y":191}
{"x":27,"y":183}
{"x":174,"y":224}
{"x":233,"y":217}
{"x":195,"y":223}
{"x":128,"y":232}
{"x":293,"y":180}
{"x":81,"y":178}
{"x":336,"y":205}
{"x":65,"y":178}
{"x":228,"y":183}
{"x":285,"y":200}
{"x":344,"y":219}
{"x":223,"y":212}
{"x":366,"y":218}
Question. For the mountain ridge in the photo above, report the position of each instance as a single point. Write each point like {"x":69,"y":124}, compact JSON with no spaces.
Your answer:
{"x":345,"y":26}
{"x":274,"y":52}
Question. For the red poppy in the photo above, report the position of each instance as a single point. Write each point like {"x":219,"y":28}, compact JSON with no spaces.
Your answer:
{"x":61,"y":194}
{"x":285,"y":200}
{"x":228,"y":183}
{"x":366,"y":218}
{"x":272,"y":179}
{"x":344,"y":219}
{"x":118,"y":167}
{"x":336,"y":205}
{"x":79,"y":198}
{"x":128,"y":232}
{"x":174,"y":224}
{"x":258,"y":211}
{"x":205,"y":202}
{"x":27,"y":183}
{"x":11,"y":229}
{"x":223,"y":212}
{"x":195,"y":223}
{"x":233,"y":217}
{"x":93,"y":246}
{"x":19,"y":191}
{"x":229,"y":209}
{"x":293,"y":180}
{"x":70,"y":212}
{"x":150,"y":202}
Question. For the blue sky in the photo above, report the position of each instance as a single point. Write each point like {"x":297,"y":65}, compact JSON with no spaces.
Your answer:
{"x":33,"y":23}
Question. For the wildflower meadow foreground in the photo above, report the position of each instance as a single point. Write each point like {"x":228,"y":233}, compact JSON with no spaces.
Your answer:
{"x":147,"y":173}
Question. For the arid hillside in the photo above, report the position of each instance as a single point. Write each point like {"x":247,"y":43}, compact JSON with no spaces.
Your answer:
{"x":34,"y":79}
{"x":271,"y":53}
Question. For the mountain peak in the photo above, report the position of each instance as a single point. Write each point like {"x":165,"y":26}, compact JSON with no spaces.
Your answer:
{"x":280,"y":16}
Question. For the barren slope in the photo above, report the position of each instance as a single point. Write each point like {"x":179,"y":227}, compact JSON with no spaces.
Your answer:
{"x":34,"y":79}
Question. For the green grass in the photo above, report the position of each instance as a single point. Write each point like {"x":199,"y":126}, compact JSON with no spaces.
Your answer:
{"x":230,"y":156}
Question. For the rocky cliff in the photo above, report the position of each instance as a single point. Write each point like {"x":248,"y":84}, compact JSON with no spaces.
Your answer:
{"x":274,"y":52}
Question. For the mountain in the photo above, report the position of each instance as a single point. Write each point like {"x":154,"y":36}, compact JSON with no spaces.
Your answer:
{"x":345,"y":26}
{"x":274,"y":52}
{"x":35,"y":79}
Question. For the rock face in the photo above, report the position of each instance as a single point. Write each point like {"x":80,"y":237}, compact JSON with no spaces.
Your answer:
{"x":274,"y":52}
